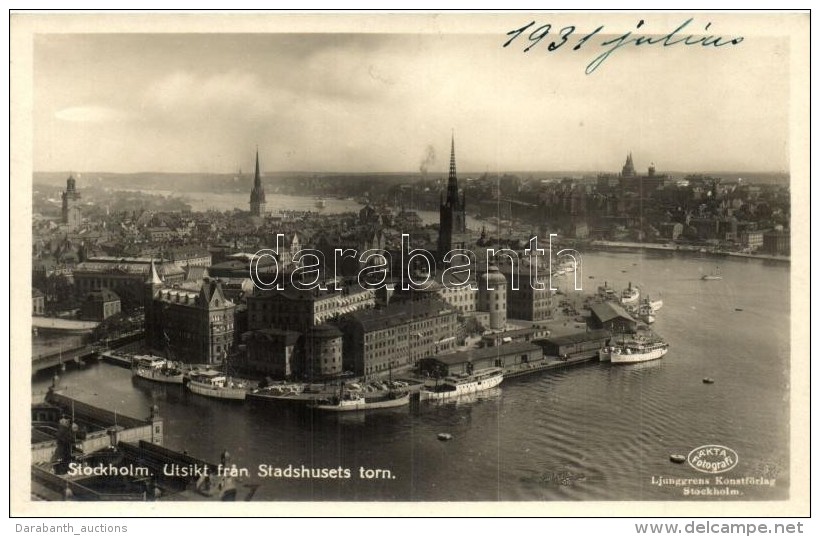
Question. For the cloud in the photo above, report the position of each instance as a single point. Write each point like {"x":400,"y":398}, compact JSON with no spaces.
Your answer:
{"x":91,"y":114}
{"x":233,"y":93}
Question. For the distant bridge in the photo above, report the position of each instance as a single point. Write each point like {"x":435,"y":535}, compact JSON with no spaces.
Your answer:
{"x":54,"y":359}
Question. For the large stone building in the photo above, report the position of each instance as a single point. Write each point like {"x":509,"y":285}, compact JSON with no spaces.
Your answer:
{"x":314,"y":354}
{"x":124,"y":276}
{"x":271,"y":352}
{"x":101,"y":304}
{"x":295,"y":309}
{"x":195,"y":326}
{"x":395,"y":338}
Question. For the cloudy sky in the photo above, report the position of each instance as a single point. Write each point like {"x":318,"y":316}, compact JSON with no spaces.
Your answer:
{"x":369,"y":102}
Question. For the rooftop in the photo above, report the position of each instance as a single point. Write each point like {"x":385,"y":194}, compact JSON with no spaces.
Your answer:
{"x":579,"y":337}
{"x":487,"y":352}
{"x":400,"y":313}
{"x":606,"y":311}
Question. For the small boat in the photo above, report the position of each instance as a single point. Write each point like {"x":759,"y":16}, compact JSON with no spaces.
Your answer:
{"x":738,"y":309}
{"x":644,"y":312}
{"x":456,"y":385}
{"x":715,"y":275}
{"x":630,"y":295}
{"x":350,"y":401}
{"x":677,"y":459}
{"x":635,"y":350}
{"x":444,"y":437}
{"x":277,"y":391}
{"x":708,"y":380}
{"x":157,"y":369}
{"x":606,"y":292}
{"x":214,"y":384}
{"x":655,"y":305}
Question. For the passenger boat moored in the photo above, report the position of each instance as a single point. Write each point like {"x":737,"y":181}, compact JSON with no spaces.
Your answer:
{"x":456,"y":385}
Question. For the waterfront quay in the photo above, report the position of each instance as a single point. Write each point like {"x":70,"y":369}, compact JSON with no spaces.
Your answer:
{"x":83,"y":452}
{"x":78,"y":352}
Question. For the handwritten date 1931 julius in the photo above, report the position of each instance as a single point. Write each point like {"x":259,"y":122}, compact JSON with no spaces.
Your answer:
{"x":563,"y":36}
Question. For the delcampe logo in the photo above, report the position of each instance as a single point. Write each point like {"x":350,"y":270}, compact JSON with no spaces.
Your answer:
{"x":712,"y":459}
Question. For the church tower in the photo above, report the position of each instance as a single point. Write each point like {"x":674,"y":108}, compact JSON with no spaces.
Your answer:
{"x":629,"y":167}
{"x":258,"y":193}
{"x":71,"y":211}
{"x":452,"y":215}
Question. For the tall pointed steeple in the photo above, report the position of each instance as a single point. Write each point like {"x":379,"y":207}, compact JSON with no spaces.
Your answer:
{"x":153,"y":276}
{"x":452,"y":215}
{"x":257,"y":179}
{"x":452,"y":179}
{"x":258,"y":193}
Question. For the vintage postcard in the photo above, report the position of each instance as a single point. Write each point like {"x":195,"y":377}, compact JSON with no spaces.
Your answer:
{"x":480,"y":263}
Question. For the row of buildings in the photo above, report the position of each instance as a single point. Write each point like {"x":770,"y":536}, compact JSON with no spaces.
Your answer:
{"x":343,"y":327}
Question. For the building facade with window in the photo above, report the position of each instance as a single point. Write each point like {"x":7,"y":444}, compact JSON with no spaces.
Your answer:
{"x":394,"y":338}
{"x":196,"y":327}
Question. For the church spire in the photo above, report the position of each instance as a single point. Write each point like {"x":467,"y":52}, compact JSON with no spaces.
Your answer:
{"x":153,"y":277}
{"x":258,"y":193}
{"x":452,"y":180}
{"x":257,"y":180}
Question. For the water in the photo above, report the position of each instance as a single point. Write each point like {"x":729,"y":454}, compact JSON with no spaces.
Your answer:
{"x":593,"y":432}
{"x":205,"y":201}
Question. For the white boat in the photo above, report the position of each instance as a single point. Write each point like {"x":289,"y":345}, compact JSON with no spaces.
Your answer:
{"x":630,"y":295}
{"x":157,"y":369}
{"x":715,"y":275}
{"x":217,"y":385}
{"x":456,"y":385}
{"x":655,"y":305}
{"x":605,"y":292}
{"x":350,"y":401}
{"x":633,"y":351}
{"x":646,"y":313}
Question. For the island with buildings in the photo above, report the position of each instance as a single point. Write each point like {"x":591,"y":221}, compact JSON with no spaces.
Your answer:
{"x":184,"y":286}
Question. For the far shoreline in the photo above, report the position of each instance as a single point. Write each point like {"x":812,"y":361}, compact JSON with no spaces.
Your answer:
{"x":656,"y":246}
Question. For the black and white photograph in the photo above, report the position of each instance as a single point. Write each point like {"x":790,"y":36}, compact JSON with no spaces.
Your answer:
{"x":509,"y":260}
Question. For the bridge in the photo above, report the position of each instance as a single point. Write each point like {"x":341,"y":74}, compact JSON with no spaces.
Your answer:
{"x":76,"y":354}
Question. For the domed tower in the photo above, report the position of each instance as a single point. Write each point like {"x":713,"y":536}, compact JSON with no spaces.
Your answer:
{"x":492,"y":297}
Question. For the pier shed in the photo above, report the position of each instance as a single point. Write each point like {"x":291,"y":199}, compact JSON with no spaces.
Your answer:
{"x":612,"y":317}
{"x":507,"y":356}
{"x":514,"y":336}
{"x":580,"y":345}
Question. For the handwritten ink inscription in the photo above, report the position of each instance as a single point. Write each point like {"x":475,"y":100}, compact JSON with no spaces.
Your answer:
{"x":557,"y":38}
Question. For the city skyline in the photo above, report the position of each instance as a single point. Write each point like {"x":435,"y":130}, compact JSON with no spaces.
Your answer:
{"x":126,"y":103}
